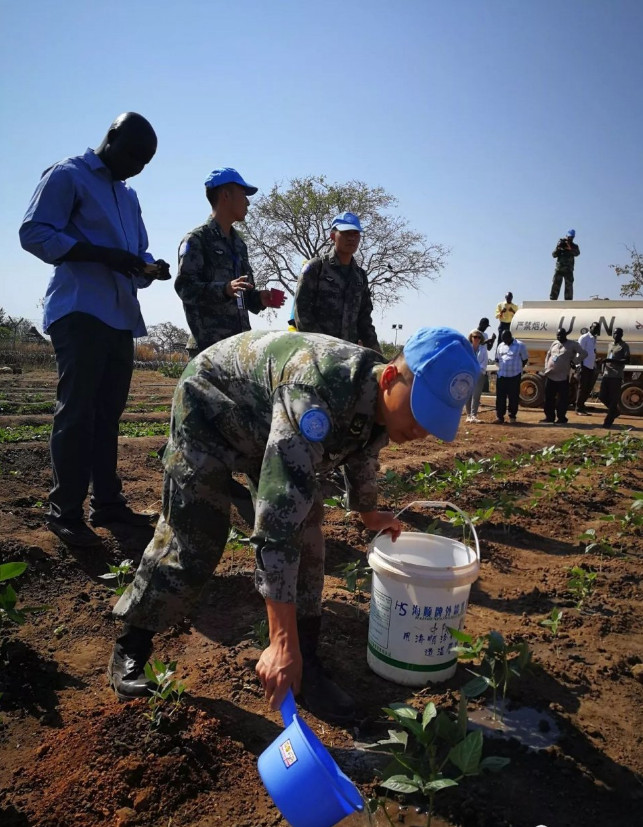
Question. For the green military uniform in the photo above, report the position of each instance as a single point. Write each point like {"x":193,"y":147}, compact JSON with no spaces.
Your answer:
{"x":281,"y":408}
{"x":207,"y":262}
{"x":335,"y":299}
{"x":565,"y":253}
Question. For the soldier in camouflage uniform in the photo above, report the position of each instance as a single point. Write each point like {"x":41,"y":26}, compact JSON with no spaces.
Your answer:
{"x":333,"y":296}
{"x":281,"y":408}
{"x":215,"y":280}
{"x":565,"y":253}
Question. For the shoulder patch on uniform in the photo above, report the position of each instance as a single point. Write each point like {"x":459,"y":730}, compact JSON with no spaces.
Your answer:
{"x":314,"y":425}
{"x":183,"y":249}
{"x":310,"y":265}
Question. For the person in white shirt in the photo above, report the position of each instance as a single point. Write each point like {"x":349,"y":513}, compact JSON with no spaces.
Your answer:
{"x":588,"y":368}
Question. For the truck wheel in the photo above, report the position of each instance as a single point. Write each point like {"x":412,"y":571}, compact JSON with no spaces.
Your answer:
{"x":532,"y":390}
{"x":631,"y":401}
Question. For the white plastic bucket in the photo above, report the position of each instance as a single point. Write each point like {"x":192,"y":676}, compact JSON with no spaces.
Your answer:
{"x":420,"y":588}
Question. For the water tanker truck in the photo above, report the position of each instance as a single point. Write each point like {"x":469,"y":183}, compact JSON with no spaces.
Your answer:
{"x":536,"y":324}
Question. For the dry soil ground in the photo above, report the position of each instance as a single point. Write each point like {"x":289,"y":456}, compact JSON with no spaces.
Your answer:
{"x":72,"y":755}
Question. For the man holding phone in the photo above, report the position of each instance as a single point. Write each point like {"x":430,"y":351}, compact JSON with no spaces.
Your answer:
{"x":215,"y":280}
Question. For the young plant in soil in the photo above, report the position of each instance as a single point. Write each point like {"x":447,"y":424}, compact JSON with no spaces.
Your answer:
{"x":166,"y":696}
{"x":480,"y":515}
{"x":357,"y":576}
{"x":581,"y":584}
{"x":9,"y":598}
{"x":553,"y":621}
{"x":500,"y":663}
{"x":433,"y":753}
{"x":120,"y":573}
{"x":260,"y":634}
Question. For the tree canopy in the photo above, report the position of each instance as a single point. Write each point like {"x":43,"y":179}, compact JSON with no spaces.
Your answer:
{"x":291,"y":224}
{"x":632,"y":271}
{"x":166,"y":337}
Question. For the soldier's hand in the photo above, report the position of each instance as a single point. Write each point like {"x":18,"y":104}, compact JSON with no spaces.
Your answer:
{"x":236,"y":286}
{"x":279,"y":669}
{"x":384,"y":521}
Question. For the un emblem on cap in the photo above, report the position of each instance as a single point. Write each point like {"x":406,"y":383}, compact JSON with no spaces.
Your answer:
{"x":314,"y":425}
{"x":461,"y":387}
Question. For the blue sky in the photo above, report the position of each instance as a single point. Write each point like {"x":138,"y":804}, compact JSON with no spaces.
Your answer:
{"x":497,"y":124}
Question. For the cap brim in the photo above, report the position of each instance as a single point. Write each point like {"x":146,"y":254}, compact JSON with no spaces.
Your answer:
{"x":344,"y":227}
{"x":434,"y":415}
{"x":250,"y":190}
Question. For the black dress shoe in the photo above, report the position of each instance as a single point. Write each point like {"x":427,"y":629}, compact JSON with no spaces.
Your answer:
{"x":74,"y":532}
{"x":126,"y":668}
{"x":322,"y":697}
{"x":120,"y":514}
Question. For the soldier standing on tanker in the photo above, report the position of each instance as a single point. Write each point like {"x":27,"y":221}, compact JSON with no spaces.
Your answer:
{"x":283,"y":408}
{"x":214,"y":279}
{"x":333,"y":295}
{"x":86,"y":221}
{"x":565,"y":253}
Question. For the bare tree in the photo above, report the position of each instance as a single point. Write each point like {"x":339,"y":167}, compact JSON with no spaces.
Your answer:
{"x":291,"y":225}
{"x":166,"y":337}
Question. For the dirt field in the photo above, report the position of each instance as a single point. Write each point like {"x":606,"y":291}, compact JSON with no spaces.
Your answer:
{"x":70,"y":754}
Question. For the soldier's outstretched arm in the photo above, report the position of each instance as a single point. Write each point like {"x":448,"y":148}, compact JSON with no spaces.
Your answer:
{"x":279,"y":667}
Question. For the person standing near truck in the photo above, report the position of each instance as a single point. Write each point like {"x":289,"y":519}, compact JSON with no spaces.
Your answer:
{"x":511,"y":357}
{"x":558,"y":363}
{"x":505,"y":312}
{"x":617,"y":357}
{"x":588,"y":368}
{"x":565,"y":253}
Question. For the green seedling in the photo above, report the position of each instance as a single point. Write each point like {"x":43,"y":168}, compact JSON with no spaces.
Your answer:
{"x":480,"y":515}
{"x":500,"y":663}
{"x":237,"y":541}
{"x":9,"y":598}
{"x":260,"y":633}
{"x":553,"y":621}
{"x":394,"y":486}
{"x":433,"y":751}
{"x":357,"y":577}
{"x":120,"y":573}
{"x":426,"y":480}
{"x":166,"y":696}
{"x":581,"y":584}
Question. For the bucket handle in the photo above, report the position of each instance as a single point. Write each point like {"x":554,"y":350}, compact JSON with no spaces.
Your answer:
{"x":435,"y":503}
{"x":288,"y":708}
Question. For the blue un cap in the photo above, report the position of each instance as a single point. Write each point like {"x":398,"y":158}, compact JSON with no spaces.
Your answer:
{"x":227,"y":175}
{"x":346,"y":221}
{"x":445,"y":370}
{"x":571,"y":233}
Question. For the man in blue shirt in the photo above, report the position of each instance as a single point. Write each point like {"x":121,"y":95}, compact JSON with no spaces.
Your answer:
{"x":511,"y":357}
{"x":85,"y":220}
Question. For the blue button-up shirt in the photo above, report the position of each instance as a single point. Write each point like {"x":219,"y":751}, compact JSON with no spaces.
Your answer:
{"x":510,"y":358}
{"x":78,"y":200}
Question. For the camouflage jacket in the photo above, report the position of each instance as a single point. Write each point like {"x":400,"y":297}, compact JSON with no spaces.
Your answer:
{"x":282,"y":408}
{"x":207,"y":262}
{"x":328,"y":302}
{"x":565,"y":257}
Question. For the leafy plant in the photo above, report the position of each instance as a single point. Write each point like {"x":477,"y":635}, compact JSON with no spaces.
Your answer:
{"x":260,"y":633}
{"x":356,"y":576}
{"x":581,"y":584}
{"x":480,"y":515}
{"x":500,"y":663}
{"x":433,"y":753}
{"x":9,"y":598}
{"x":166,"y":696}
{"x":120,"y":573}
{"x":553,"y":621}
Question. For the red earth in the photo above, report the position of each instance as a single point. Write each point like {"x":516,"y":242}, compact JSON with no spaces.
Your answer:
{"x":71,"y":754}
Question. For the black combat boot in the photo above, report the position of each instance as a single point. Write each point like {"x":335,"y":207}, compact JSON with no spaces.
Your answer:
{"x":319,"y":694}
{"x":126,"y":669}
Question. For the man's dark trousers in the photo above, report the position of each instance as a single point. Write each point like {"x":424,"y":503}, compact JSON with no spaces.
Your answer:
{"x":95,"y":363}
{"x":556,"y":399}
{"x":585,"y":385}
{"x":507,"y":395}
{"x":610,"y":395}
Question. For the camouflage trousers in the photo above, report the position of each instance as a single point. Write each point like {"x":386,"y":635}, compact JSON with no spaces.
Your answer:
{"x":559,"y":275}
{"x":188,"y":542}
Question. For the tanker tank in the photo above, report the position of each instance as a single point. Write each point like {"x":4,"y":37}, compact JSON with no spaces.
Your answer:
{"x":536,"y":324}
